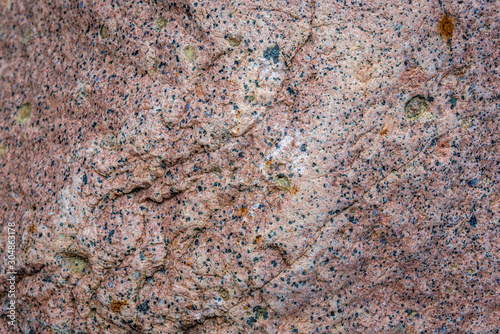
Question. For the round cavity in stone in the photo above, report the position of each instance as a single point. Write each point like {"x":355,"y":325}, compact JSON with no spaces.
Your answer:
{"x":415,"y":107}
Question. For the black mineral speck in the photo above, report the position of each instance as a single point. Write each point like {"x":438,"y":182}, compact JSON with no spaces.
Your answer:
{"x":474,"y":182}
{"x":251,"y":321}
{"x":473,"y":221}
{"x":260,"y":312}
{"x":453,"y":102}
{"x":144,"y":307}
{"x":272,"y":53}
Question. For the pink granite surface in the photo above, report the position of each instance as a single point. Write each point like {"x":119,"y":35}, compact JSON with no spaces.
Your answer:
{"x":251,"y":166}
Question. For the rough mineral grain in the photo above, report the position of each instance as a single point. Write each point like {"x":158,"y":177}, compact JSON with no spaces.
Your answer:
{"x":251,"y":166}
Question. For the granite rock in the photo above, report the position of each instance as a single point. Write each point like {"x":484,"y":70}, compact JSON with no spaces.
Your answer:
{"x":251,"y":166}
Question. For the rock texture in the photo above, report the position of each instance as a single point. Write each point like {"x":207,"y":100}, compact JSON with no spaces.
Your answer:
{"x":251,"y":166}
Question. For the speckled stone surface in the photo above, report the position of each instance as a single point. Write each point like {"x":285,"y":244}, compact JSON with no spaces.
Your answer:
{"x":251,"y":166}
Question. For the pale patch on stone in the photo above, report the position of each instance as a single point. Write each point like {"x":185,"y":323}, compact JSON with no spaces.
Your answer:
{"x":190,"y":53}
{"x":27,"y":36}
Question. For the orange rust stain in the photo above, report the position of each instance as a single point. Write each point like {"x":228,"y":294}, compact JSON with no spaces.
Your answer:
{"x":200,"y":91}
{"x":410,"y":330}
{"x":31,"y":228}
{"x":443,"y":148}
{"x":343,"y":234}
{"x":294,"y":190}
{"x":117,"y":305}
{"x":446,"y":27}
{"x":383,"y":132}
{"x":257,"y":239}
{"x":241,"y":211}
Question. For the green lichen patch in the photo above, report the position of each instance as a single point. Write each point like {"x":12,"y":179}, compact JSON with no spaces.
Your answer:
{"x":160,"y":23}
{"x":223,"y":293}
{"x":233,"y":39}
{"x":412,"y":313}
{"x":190,"y":53}
{"x":73,"y":263}
{"x":103,"y":31}
{"x":3,"y":148}
{"x":415,"y":107}
{"x":282,"y":182}
{"x":27,"y":36}
{"x":24,"y":113}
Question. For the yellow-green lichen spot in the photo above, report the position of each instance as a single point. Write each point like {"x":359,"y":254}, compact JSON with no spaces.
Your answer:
{"x":103,"y":31}
{"x":3,"y":148}
{"x":24,"y":113}
{"x":27,"y":36}
{"x":223,"y":293}
{"x":282,"y":182}
{"x":73,"y":263}
{"x":190,"y":53}
{"x":160,"y":23}
{"x":233,"y":39}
